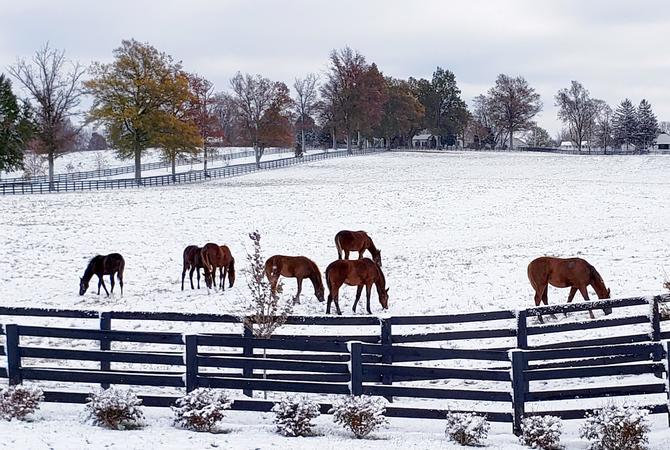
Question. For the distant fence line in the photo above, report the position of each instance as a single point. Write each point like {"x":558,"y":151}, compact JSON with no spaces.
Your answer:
{"x":375,"y":364}
{"x":179,"y":178}
{"x":112,"y":171}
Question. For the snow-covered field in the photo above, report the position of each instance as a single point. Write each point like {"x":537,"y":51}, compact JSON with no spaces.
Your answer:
{"x":456,"y":230}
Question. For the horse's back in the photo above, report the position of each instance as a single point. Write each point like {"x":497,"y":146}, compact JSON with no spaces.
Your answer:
{"x":559,"y":272}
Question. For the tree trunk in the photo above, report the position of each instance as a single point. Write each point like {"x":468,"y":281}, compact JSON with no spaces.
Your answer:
{"x":174,"y":167}
{"x":138,"y":165}
{"x":258,"y":152}
{"x":349,"y":143}
{"x":511,"y":139}
{"x":204,"y":159}
{"x":302,"y":140}
{"x":334,"y":140}
{"x":51,"y":169}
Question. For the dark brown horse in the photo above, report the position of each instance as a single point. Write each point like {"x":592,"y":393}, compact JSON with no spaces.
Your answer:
{"x":360,"y":273}
{"x":218,"y":256}
{"x":192,"y":262}
{"x":298,"y":267}
{"x":356,"y":241}
{"x":574,"y":273}
{"x":103,"y":265}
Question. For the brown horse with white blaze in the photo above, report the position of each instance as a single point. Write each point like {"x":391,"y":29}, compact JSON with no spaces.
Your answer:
{"x":359,"y":272}
{"x":218,"y":256}
{"x":574,"y":273}
{"x":356,"y":241}
{"x":298,"y":267}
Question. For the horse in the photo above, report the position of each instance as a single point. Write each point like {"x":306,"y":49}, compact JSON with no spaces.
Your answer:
{"x":357,"y":272}
{"x":192,"y":261}
{"x":218,"y":256}
{"x":574,"y":273}
{"x":298,"y":267}
{"x":103,"y":265}
{"x":356,"y":241}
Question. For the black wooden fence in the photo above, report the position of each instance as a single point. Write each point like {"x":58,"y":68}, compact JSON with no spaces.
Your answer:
{"x":378,"y":364}
{"x":164,"y":180}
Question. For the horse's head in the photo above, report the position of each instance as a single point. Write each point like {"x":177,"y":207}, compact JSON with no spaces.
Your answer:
{"x":607,"y":311}
{"x":384,"y":298}
{"x":83,"y":286}
{"x":377,"y":258}
{"x":208,"y":278}
{"x":318,"y":292}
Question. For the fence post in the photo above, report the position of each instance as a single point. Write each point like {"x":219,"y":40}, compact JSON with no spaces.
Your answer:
{"x":356,"y":368}
{"x":191,"y":361}
{"x":518,"y":358}
{"x":13,"y":354}
{"x":105,"y":343}
{"x":522,"y":329}
{"x":248,"y":352}
{"x":655,"y":319}
{"x":667,"y":375}
{"x":387,"y":350}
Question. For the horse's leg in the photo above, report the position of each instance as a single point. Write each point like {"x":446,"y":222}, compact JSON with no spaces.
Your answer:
{"x":223,"y":271}
{"x":111,"y":282}
{"x":539,"y":293}
{"x":545,"y":300}
{"x":102,"y":282}
{"x":359,"y":291}
{"x":571,"y":296}
{"x":120,"y":282}
{"x":346,"y":254}
{"x":296,"y":300}
{"x":585,"y":294}
{"x":197,"y":273}
{"x":183,"y":275}
{"x":368,"y":291}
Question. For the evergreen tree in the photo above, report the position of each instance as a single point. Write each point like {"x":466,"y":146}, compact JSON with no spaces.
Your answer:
{"x":624,"y":124}
{"x":647,"y":125}
{"x":15,"y":127}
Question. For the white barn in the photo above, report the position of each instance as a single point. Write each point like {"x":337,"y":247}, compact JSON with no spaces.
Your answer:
{"x":662,"y":142}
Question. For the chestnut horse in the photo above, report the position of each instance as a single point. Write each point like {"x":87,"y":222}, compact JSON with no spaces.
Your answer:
{"x":356,"y":241}
{"x":298,"y":267}
{"x":574,"y":273}
{"x":213,"y":257}
{"x":358,"y":272}
{"x":103,"y":265}
{"x":192,"y":261}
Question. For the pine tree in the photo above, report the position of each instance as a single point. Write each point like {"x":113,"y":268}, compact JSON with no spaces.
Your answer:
{"x":15,"y":127}
{"x":647,"y":125}
{"x":624,"y":123}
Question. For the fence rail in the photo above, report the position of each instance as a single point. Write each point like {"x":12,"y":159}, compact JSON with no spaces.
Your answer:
{"x":330,"y":364}
{"x":166,"y":180}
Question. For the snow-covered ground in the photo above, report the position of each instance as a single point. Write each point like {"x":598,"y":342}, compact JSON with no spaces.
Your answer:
{"x":456,"y":230}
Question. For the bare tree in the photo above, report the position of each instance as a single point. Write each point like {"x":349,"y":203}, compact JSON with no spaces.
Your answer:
{"x":513,"y":104}
{"x":578,"y":110}
{"x":306,"y":102}
{"x":604,"y":124}
{"x":664,"y":127}
{"x":56,"y":92}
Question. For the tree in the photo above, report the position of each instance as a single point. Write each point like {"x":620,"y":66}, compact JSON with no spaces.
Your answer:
{"x":403,"y":113}
{"x":647,"y":125}
{"x":134,"y":97}
{"x":604,"y":125}
{"x":97,"y":142}
{"x":16,"y":127}
{"x":577,"y":110}
{"x":56,"y":93}
{"x":262,"y":111}
{"x":537,"y":136}
{"x":664,"y":127}
{"x":353,"y":94}
{"x":624,"y":123}
{"x":224,"y":110}
{"x":513,"y":104}
{"x":204,"y":113}
{"x":486,"y":131}
{"x":306,"y":102}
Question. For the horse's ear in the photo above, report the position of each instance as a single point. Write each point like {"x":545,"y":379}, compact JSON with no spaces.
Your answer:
{"x":608,"y":292}
{"x":387,"y":290}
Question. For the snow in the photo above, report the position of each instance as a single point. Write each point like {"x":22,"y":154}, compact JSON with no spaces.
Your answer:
{"x":457,"y":231}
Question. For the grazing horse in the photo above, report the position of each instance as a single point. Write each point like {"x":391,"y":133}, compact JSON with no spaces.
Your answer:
{"x":298,"y":267}
{"x":103,"y":265}
{"x":574,"y":273}
{"x":218,"y":256}
{"x":192,"y":261}
{"x":356,"y":241}
{"x":358,"y":272}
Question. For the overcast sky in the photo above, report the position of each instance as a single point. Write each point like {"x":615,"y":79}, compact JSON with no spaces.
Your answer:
{"x":615,"y":48}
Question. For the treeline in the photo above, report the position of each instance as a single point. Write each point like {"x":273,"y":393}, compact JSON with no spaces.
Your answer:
{"x":145,"y":99}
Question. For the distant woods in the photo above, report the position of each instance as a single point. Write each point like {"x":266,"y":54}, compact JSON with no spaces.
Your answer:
{"x":144,"y":98}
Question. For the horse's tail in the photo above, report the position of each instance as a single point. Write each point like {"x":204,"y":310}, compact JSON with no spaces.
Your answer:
{"x":330,"y":296}
{"x":231,"y":272}
{"x":122,"y":265}
{"x":338,"y":245}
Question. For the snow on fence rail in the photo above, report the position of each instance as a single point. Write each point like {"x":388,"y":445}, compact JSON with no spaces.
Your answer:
{"x":164,"y":180}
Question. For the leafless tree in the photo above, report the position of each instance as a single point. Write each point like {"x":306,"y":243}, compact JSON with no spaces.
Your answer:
{"x":578,"y":111}
{"x":513,"y":104}
{"x":604,"y":124}
{"x":54,"y":83}
{"x":306,"y":101}
{"x":664,"y":127}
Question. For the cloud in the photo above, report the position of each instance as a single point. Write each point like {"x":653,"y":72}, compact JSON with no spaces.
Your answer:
{"x":615,"y":48}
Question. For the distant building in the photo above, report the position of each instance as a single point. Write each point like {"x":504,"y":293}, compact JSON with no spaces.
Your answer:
{"x":567,"y":145}
{"x":662,"y":142}
{"x":424,"y":140}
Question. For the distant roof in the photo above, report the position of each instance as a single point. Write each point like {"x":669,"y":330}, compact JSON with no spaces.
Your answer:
{"x":663,"y":138}
{"x":423,"y":137}
{"x":566,"y":144}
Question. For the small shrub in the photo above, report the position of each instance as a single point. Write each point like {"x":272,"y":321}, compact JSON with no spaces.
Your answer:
{"x":293,"y":417}
{"x":543,"y":432}
{"x":18,"y":402}
{"x":118,"y":409}
{"x":467,"y":428}
{"x":201,"y":409}
{"x":361,"y":414}
{"x":616,"y":427}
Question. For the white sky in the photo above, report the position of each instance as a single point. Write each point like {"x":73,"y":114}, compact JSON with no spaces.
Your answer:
{"x":615,"y":48}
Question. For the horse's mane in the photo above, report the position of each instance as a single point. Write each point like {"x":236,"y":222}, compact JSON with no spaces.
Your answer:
{"x":88,"y":273}
{"x":596,"y":276}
